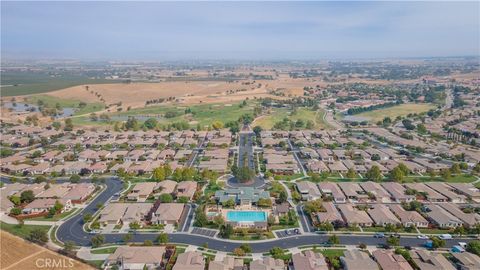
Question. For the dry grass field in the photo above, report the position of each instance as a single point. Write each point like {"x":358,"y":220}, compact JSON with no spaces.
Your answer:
{"x":136,"y":94}
{"x":17,"y":253}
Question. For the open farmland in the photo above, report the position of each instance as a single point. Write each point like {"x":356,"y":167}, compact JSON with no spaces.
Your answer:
{"x":304,"y":114}
{"x":29,"y":83}
{"x":392,"y":112}
{"x":21,"y":254}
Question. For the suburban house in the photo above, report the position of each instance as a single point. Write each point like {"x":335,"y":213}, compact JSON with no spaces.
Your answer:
{"x":466,"y":261}
{"x":353,"y":192}
{"x":357,"y":260}
{"x":381,"y":195}
{"x":228,"y":263}
{"x":397,"y":192}
{"x":441,"y":217}
{"x":332,"y":190}
{"x":308,"y":260}
{"x":409,"y":218}
{"x":141,"y":191}
{"x":354,"y":216}
{"x":447,"y":191}
{"x":389,"y":260}
{"x":121,"y":213}
{"x":382,"y":216}
{"x":469,"y":220}
{"x":168,"y":213}
{"x":166,"y":187}
{"x":191,"y":260}
{"x":135,"y":257}
{"x":44,"y":205}
{"x":308,"y":190}
{"x":186,"y":189}
{"x":331,"y":213}
{"x":467,"y":189}
{"x":427,"y":260}
{"x":267,"y":263}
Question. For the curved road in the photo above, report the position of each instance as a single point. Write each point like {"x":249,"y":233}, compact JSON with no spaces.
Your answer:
{"x":72,"y":230}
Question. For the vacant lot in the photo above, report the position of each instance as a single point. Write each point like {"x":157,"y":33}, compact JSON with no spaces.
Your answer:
{"x":135,"y":95}
{"x":21,"y":254}
{"x":305,"y":114}
{"x":393,"y":112}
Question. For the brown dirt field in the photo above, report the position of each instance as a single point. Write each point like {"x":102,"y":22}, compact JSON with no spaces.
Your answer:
{"x":135,"y":94}
{"x":17,"y":253}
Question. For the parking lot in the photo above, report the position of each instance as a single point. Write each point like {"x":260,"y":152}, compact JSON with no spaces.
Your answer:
{"x":283,"y":233}
{"x":205,"y":232}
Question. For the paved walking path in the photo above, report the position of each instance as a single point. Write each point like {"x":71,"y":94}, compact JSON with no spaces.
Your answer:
{"x":85,"y":254}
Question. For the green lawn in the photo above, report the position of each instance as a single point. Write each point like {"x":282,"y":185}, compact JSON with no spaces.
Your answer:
{"x":331,"y":252}
{"x":108,"y":250}
{"x":56,"y":217}
{"x":21,"y":231}
{"x":399,"y":110}
{"x":51,"y":102}
{"x":202,"y":114}
{"x":288,"y":177}
{"x":278,"y":114}
{"x":435,"y":231}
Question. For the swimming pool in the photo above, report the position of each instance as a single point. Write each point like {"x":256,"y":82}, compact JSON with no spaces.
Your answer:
{"x":246,"y":216}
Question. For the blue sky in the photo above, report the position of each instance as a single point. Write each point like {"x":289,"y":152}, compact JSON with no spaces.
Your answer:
{"x":235,"y":30}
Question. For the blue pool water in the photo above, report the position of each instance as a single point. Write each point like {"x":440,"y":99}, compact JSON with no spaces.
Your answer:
{"x":250,"y":216}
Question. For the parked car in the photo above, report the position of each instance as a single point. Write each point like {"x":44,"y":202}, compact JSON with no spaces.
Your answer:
{"x":423,"y":236}
{"x":379,"y":235}
{"x":446,"y":236}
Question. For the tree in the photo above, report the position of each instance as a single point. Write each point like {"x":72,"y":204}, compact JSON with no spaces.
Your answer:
{"x":362,"y":246}
{"x":325,"y":226}
{"x":68,"y":125}
{"x":15,"y":211}
{"x":238,"y":252}
{"x":15,"y":199}
{"x":166,"y":198}
{"x":148,"y":243}
{"x":182,"y":199}
{"x":313,"y":206}
{"x":38,"y":235}
{"x":40,"y":179}
{"x":455,"y":169}
{"x":226,"y":231}
{"x":87,"y":217}
{"x":127,"y":237}
{"x":134,"y":225}
{"x":75,"y":178}
{"x":150,"y":123}
{"x":437,"y":242}
{"x":246,"y":247}
{"x":277,"y":253}
{"x":334,"y":240}
{"x":397,"y":174}
{"x":201,"y":219}
{"x":159,"y":174}
{"x":351,"y":173}
{"x":404,"y":168}
{"x":460,"y":230}
{"x":244,"y":174}
{"x":97,"y":240}
{"x":217,"y":125}
{"x":283,"y":196}
{"x":228,"y":203}
{"x":374,"y":174}
{"x":219,"y":220}
{"x":162,"y":238}
{"x":264,"y":202}
{"x":393,"y":241}
{"x":474,"y":247}
{"x":27,"y":196}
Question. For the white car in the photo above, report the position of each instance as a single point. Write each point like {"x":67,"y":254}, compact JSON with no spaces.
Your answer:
{"x":423,"y":236}
{"x":446,"y":236}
